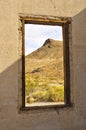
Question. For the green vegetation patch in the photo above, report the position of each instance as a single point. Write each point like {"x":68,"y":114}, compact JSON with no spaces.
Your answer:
{"x":40,"y":91}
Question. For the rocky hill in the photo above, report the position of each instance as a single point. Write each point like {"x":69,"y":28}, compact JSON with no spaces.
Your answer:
{"x":51,"y":49}
{"x":46,"y":61}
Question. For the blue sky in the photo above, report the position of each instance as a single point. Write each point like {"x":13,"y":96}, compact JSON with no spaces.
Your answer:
{"x":35,"y":35}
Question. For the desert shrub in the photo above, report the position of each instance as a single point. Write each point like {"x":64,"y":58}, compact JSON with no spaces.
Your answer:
{"x":30,"y":100}
{"x":40,"y":96}
{"x":38,"y":90}
{"x":55,"y":93}
{"x":53,"y":78}
{"x":36,"y":81}
{"x":44,"y":86}
{"x":31,"y":84}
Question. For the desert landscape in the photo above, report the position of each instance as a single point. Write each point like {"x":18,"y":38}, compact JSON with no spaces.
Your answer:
{"x":44,"y":74}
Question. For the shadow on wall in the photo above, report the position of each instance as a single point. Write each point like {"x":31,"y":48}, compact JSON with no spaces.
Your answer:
{"x":10,"y":102}
{"x":11,"y":85}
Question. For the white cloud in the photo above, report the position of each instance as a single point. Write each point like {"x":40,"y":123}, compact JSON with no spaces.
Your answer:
{"x":35,"y":35}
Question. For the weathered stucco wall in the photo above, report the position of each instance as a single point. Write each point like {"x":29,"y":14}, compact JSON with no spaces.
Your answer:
{"x":73,"y":118}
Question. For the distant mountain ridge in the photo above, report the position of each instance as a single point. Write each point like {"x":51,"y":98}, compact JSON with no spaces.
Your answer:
{"x":50,"y":49}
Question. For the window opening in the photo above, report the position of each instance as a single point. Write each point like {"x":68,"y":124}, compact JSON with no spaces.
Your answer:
{"x":44,"y":62}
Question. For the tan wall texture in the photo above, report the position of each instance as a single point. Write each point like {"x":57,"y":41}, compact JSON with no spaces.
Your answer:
{"x":70,"y":118}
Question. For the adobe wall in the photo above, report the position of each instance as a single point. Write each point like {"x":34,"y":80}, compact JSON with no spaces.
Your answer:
{"x":70,"y":118}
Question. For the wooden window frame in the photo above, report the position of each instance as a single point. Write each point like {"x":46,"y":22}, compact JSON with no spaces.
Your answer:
{"x":64,"y":22}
